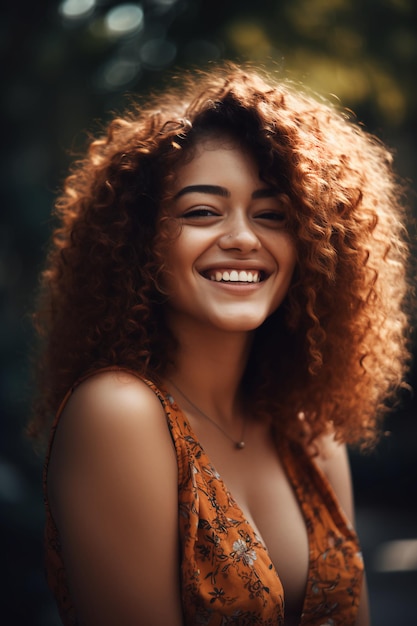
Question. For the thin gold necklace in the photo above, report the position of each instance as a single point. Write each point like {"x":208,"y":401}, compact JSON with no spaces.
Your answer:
{"x":239,"y":445}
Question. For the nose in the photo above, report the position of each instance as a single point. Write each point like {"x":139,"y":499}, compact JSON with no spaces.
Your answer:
{"x":239,"y":234}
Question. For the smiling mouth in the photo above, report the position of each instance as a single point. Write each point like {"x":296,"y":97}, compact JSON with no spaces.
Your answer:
{"x":235,"y":276}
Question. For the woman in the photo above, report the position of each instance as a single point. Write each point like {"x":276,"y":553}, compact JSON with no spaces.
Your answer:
{"x":224,"y":301}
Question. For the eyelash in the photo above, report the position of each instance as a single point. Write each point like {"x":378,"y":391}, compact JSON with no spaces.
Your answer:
{"x":275,"y":215}
{"x":200,"y":212}
{"x":279,"y":217}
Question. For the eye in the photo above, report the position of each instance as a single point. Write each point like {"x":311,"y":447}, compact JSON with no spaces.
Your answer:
{"x":199,"y":212}
{"x":277,"y":218}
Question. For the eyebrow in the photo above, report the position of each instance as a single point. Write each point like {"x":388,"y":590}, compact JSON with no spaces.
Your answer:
{"x":216,"y":190}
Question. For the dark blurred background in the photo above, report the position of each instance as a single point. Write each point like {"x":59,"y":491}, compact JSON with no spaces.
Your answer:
{"x":65,"y":67}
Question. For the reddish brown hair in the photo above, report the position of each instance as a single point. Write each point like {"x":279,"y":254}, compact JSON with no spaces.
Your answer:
{"x":336,"y":349}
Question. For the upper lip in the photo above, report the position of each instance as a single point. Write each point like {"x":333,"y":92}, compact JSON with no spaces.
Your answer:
{"x":236,"y":265}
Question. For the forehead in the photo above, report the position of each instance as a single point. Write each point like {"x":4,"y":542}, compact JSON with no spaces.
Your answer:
{"x":216,"y":158}
{"x":209,"y":140}
{"x":215,"y":141}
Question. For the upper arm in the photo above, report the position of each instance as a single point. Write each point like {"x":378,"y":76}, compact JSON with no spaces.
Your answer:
{"x":334,"y":462}
{"x":113,"y":491}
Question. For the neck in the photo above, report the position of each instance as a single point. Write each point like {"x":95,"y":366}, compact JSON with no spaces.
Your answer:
{"x":209,"y":367}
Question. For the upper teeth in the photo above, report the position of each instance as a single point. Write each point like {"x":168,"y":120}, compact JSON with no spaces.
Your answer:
{"x":234,"y":276}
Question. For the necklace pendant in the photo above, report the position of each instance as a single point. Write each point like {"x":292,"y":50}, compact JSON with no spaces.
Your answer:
{"x":239,"y":445}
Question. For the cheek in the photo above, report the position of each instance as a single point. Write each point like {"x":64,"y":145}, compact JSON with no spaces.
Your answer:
{"x":178,"y":266}
{"x":286,"y":252}
{"x":185,"y":250}
{"x":179,"y":255}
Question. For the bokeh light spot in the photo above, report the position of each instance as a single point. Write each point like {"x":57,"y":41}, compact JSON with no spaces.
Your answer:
{"x":76,"y":9}
{"x":124,"y":19}
{"x":117,"y":74}
{"x":157,"y":54}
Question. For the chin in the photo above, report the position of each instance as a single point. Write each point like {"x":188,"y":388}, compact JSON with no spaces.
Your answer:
{"x":239,"y":324}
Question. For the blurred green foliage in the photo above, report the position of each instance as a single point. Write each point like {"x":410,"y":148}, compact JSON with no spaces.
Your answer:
{"x":66,"y":65}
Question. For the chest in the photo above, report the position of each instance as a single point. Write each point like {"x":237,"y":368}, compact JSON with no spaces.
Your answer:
{"x":258,"y":483}
{"x":257,"y":543}
{"x":262,"y":490}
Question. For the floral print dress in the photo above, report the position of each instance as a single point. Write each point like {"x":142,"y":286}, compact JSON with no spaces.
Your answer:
{"x":227,"y":576}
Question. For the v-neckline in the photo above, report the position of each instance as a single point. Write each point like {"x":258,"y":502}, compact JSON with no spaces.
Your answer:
{"x":294,"y":486}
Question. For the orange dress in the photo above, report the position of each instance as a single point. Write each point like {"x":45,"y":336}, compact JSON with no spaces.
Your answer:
{"x":227,"y":576}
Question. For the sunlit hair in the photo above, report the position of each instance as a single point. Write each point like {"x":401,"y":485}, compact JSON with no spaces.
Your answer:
{"x":335,"y":352}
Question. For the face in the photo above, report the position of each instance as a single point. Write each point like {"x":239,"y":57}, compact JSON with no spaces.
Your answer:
{"x":231,"y":264}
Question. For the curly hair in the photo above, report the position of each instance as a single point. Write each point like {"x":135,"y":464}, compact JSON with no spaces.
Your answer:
{"x":335,"y":353}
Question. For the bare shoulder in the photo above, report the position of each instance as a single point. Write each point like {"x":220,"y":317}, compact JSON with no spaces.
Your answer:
{"x":112,"y":402}
{"x":113,"y":492}
{"x":112,"y":417}
{"x":333,"y":460}
{"x":113,"y":395}
{"x":330,"y":451}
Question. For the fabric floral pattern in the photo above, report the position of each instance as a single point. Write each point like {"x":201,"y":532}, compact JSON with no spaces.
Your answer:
{"x":227,"y":576}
